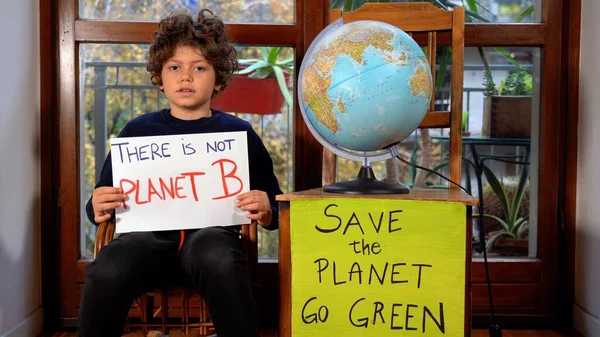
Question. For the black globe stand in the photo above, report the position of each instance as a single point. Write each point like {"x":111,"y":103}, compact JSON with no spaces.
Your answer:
{"x":366,"y":183}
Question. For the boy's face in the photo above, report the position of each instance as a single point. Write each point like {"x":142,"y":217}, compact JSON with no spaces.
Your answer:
{"x":188,"y":81}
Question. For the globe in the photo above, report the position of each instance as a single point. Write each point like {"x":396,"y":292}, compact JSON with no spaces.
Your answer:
{"x":363,"y":87}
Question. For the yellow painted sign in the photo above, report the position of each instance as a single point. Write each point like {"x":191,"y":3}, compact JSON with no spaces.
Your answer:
{"x":375,"y":267}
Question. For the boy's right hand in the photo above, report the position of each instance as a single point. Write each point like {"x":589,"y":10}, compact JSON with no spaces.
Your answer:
{"x":105,"y":200}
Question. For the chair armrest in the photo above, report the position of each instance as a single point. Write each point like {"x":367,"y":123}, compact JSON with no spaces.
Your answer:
{"x":104,"y":234}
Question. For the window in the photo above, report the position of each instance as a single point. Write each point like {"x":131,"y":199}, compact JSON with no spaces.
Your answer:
{"x":503,"y":125}
{"x":117,"y":88}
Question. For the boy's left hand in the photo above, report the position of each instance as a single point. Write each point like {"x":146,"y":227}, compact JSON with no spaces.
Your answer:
{"x":258,"y":204}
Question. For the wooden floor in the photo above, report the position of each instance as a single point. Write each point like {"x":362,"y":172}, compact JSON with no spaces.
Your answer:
{"x":475,"y":333}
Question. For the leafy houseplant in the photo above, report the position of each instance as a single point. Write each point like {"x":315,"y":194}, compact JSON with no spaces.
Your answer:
{"x":507,"y":109}
{"x":516,"y":84}
{"x":270,"y":66}
{"x":260,"y":85}
{"x":513,"y":226}
{"x":488,"y":84}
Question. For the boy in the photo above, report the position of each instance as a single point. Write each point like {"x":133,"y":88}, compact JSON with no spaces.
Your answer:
{"x":191,"y":62}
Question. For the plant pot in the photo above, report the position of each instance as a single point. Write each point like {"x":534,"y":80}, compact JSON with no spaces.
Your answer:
{"x":506,"y":117}
{"x":511,"y":247}
{"x":260,"y":96}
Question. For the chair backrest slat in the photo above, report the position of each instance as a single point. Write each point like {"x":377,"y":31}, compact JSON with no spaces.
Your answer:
{"x":410,"y":17}
{"x":431,"y":57}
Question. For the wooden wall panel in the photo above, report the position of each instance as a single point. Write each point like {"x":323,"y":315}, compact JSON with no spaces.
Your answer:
{"x":570,"y":90}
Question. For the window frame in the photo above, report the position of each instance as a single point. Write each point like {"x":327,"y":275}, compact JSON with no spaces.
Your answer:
{"x":511,"y":279}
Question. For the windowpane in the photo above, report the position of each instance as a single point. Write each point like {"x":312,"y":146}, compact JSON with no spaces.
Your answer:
{"x":503,"y":125}
{"x":503,"y":11}
{"x":238,"y":11}
{"x":117,"y":88}
{"x":501,"y":120}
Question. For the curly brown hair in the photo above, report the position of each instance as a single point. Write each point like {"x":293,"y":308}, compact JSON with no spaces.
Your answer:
{"x":208,"y":34}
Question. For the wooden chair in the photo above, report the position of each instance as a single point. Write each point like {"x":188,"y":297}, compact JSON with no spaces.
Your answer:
{"x":145,"y":303}
{"x":425,"y":23}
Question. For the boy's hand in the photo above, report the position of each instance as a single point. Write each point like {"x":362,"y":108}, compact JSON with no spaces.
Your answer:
{"x":257,"y":202}
{"x":105,"y":200}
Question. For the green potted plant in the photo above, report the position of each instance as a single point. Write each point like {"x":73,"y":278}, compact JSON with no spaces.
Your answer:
{"x":507,"y":109}
{"x":510,"y":239}
{"x":260,"y":86}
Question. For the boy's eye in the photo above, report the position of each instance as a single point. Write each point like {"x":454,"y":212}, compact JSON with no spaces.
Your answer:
{"x":199,"y":68}
{"x":173,"y":67}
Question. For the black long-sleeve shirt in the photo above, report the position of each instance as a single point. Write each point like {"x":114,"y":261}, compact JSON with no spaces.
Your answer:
{"x":162,"y":123}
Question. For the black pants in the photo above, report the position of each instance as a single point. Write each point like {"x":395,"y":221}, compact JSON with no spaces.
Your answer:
{"x":135,"y":263}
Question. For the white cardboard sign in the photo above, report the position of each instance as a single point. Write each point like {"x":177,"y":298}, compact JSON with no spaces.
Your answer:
{"x":180,"y":181}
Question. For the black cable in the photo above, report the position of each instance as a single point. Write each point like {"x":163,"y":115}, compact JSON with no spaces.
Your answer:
{"x":432,"y":171}
{"x":494,"y":329}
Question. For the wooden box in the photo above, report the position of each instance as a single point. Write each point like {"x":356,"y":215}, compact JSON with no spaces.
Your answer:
{"x":507,"y":117}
